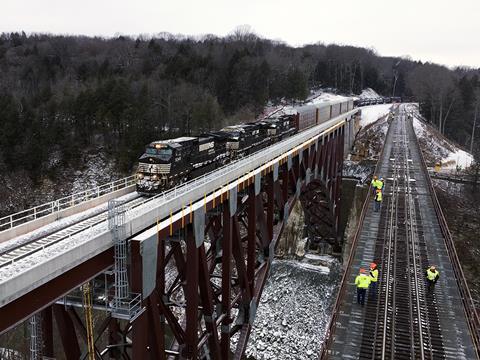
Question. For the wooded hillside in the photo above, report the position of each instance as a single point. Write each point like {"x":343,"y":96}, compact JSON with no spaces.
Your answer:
{"x":60,"y":94}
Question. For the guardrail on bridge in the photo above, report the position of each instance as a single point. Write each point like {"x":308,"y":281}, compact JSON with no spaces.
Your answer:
{"x":24,"y":216}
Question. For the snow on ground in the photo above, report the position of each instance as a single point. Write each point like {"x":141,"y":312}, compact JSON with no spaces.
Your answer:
{"x":10,"y":354}
{"x":294,"y":311}
{"x":321,"y":97}
{"x":316,"y":97}
{"x":459,"y":158}
{"x":436,"y":147}
{"x":372,"y":113}
{"x":358,"y":170}
{"x":369,"y":93}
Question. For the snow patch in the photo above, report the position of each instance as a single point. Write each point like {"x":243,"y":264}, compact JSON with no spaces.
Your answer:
{"x":321,"y":97}
{"x":438,"y":148}
{"x":372,"y":113}
{"x":459,"y":158}
{"x":369,"y":93}
{"x":294,"y":311}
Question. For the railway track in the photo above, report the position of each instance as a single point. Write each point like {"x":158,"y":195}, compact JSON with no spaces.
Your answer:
{"x":31,"y":247}
{"x":402,"y":321}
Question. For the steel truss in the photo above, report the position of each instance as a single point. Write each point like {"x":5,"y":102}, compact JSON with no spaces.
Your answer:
{"x":207,"y":291}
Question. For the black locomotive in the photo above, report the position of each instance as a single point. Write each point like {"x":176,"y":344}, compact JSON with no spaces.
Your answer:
{"x":171,"y":162}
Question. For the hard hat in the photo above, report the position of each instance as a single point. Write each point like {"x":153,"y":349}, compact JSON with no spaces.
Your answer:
{"x":362,"y":270}
{"x":373,"y":265}
{"x":432,"y":267}
{"x":381,"y":178}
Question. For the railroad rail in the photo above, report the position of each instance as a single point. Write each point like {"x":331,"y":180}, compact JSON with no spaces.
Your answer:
{"x":404,"y":320}
{"x":29,"y":247}
{"x":342,"y":292}
{"x":457,"y":178}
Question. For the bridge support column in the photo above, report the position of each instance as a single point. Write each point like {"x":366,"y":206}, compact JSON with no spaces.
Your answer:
{"x":47,"y":332}
{"x":270,"y":205}
{"x":226,"y":277}
{"x":67,"y":330}
{"x":140,"y":348}
{"x":252,"y":236}
{"x":190,"y":350}
{"x":114,"y":338}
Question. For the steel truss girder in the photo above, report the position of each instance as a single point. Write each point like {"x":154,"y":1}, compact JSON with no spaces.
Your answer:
{"x":217,"y":284}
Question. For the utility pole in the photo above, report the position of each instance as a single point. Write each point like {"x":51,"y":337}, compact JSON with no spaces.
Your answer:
{"x":395,"y":76}
{"x":474,"y":124}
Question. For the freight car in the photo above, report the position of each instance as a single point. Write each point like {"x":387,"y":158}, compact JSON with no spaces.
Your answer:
{"x":168,"y":163}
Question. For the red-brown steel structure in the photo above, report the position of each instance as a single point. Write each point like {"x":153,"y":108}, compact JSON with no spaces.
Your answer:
{"x":210,"y":266}
{"x":218,"y":284}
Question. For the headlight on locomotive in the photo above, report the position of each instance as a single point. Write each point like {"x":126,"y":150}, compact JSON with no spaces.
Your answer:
{"x":155,"y":177}
{"x":140,"y":176}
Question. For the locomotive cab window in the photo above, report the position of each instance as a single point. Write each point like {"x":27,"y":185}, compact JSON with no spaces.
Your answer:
{"x":163,"y":154}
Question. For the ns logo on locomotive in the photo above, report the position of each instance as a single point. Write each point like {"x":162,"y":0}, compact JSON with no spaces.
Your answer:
{"x":171,"y":162}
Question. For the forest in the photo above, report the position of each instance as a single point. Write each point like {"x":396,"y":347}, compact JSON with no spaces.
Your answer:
{"x":62,"y":94}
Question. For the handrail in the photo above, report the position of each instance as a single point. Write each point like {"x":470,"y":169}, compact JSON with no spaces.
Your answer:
{"x":343,"y":287}
{"x":24,"y":216}
{"x":471,"y":313}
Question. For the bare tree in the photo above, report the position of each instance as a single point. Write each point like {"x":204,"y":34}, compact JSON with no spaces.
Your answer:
{"x":475,"y":114}
{"x":243,"y":33}
{"x":435,"y":86}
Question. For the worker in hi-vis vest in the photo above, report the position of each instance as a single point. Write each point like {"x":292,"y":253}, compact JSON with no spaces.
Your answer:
{"x":373,"y":280}
{"x":362,"y":281}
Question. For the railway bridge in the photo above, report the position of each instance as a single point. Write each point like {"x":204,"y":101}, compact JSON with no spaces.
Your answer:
{"x":178,"y":275}
{"x":404,"y":320}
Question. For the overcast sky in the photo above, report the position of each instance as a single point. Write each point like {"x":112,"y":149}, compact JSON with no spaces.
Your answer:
{"x":446,"y":32}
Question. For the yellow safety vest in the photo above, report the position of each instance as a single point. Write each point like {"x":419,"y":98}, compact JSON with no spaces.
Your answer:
{"x":362,"y":281}
{"x":378,"y":196}
{"x":432,"y":275}
{"x":379,"y":184}
{"x":374,"y":275}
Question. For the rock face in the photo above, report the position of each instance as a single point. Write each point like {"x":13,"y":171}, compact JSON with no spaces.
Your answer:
{"x":294,"y":310}
{"x":292,"y":241}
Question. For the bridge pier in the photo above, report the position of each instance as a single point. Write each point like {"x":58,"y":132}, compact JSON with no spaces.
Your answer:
{"x":47,"y":332}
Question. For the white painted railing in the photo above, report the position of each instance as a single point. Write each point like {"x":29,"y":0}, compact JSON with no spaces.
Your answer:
{"x":51,"y":207}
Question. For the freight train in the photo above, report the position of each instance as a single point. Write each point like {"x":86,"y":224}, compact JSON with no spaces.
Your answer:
{"x":171,"y":162}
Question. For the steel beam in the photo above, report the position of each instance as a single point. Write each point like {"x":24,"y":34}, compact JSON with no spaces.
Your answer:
{"x":226,"y":281}
{"x":66,"y":329}
{"x":38,"y":299}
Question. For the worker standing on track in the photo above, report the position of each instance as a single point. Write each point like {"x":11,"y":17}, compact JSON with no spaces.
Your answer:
{"x":373,"y":280}
{"x":378,"y":200}
{"x":374,"y":184}
{"x":382,"y":184}
{"x":432,"y":276}
{"x":362,"y":281}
